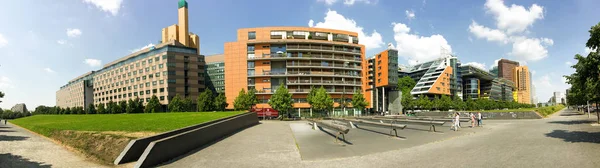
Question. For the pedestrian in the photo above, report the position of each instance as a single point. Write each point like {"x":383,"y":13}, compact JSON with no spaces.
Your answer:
{"x":456,"y":121}
{"x":472,"y":116}
{"x":479,"y":119}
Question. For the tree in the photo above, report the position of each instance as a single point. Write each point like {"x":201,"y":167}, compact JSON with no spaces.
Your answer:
{"x":458,"y":103}
{"x":131,"y":106}
{"x":139,"y":105}
{"x":407,"y":100}
{"x":220,"y":102}
{"x":1,"y":96}
{"x":423,"y":102}
{"x":406,"y":83}
{"x":122,"y":106}
{"x":240,"y":102}
{"x":91,"y":109}
{"x":101,"y":109}
{"x":436,"y":103}
{"x":445,"y":103}
{"x":322,"y":100}
{"x":358,"y":100}
{"x":251,"y":98}
{"x":68,"y":110}
{"x":176,"y":104}
{"x":205,"y":100}
{"x":153,"y":105}
{"x":281,"y":100}
{"x":112,"y":107}
{"x":188,"y":105}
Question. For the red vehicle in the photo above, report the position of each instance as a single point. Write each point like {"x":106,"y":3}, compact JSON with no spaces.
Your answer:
{"x":266,"y":112}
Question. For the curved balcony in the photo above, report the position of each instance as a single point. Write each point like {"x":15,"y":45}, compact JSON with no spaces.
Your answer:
{"x":327,"y":49}
{"x":324,"y":66}
{"x":290,"y":56}
{"x":323,"y":82}
{"x":304,"y":73}
{"x":301,"y":91}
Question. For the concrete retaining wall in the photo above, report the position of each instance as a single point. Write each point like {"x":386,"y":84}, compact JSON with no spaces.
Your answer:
{"x":135,"y":148}
{"x":165,"y":149}
{"x":486,"y":115}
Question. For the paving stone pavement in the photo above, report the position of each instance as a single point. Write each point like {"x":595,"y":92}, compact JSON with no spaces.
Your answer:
{"x":21,"y":148}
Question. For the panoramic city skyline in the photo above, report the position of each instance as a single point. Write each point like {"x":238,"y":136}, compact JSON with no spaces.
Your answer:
{"x":44,"y":49}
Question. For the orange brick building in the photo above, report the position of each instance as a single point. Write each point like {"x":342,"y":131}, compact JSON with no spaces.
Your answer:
{"x":297,"y":57}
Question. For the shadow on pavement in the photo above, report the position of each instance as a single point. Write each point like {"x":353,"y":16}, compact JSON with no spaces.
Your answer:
{"x":7,"y":131}
{"x":575,"y":136}
{"x":339,"y":138}
{"x":571,"y":113}
{"x":12,"y":138}
{"x":572,"y":122}
{"x":9,"y":160}
{"x":382,"y":133}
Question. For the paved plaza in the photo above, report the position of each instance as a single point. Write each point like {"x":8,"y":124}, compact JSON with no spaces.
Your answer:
{"x":566,"y":139}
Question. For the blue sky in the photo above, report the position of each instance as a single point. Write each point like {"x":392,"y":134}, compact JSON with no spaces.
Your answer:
{"x":44,"y":44}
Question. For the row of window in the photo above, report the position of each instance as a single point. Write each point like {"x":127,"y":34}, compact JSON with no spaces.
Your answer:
{"x":132,"y":94}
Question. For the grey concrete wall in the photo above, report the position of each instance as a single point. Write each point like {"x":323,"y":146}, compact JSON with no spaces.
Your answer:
{"x":165,"y":149}
{"x":135,"y":148}
{"x":486,"y":115}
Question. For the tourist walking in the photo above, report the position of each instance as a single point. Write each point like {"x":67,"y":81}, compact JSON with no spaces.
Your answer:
{"x":472,"y":116}
{"x":456,"y":121}
{"x":479,"y":119}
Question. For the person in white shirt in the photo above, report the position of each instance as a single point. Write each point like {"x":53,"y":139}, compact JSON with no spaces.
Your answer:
{"x":479,"y":119}
{"x":456,"y":121}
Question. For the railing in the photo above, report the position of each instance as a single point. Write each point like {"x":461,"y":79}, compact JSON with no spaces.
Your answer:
{"x":323,"y":65}
{"x":322,"y":82}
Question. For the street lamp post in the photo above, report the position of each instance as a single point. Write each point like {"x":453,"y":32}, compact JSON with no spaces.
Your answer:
{"x":588,"y":107}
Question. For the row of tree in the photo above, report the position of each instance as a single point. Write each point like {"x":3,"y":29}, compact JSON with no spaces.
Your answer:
{"x":282,"y":101}
{"x":585,"y":82}
{"x":8,"y":114}
{"x":205,"y":102}
{"x":445,"y":103}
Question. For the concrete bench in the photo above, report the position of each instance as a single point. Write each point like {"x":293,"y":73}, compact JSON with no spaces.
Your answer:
{"x":431,"y":123}
{"x":340,"y":130}
{"x":391,"y":125}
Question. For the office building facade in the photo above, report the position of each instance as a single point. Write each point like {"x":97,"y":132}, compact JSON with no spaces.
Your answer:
{"x":506,"y":69}
{"x":77,"y":93}
{"x":298,"y":58}
{"x":173,"y":67}
{"x":215,"y":72}
{"x":437,"y":77}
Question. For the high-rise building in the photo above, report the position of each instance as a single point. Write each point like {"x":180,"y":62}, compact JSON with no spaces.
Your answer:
{"x":383,"y":82}
{"x":522,"y":84}
{"x":506,"y":69}
{"x":170,"y":68}
{"x":215,"y":72}
{"x":297,"y":58}
{"x":558,"y":98}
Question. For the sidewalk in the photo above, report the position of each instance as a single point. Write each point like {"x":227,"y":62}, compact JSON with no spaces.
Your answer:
{"x":21,"y":148}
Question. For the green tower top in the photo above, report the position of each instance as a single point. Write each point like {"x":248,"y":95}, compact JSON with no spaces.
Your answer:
{"x":182,"y":3}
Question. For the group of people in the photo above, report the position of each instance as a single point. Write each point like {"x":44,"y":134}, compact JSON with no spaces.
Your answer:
{"x":474,"y":118}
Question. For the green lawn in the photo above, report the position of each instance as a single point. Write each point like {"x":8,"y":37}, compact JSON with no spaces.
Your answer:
{"x":149,"y":122}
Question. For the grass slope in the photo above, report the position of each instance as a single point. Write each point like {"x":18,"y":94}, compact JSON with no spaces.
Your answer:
{"x":147,"y":122}
{"x":103,"y":136}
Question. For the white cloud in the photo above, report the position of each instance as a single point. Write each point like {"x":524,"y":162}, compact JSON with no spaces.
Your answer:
{"x":410,"y":14}
{"x":311,"y":23}
{"x":61,"y":42}
{"x":111,"y":6}
{"x":418,"y":48}
{"x":93,"y":62}
{"x":549,"y":83}
{"x":489,"y":34}
{"x":3,"y":41}
{"x":529,"y":49}
{"x":547,"y":41}
{"x":334,"y":20}
{"x":569,"y":63}
{"x":5,"y":82}
{"x":328,"y":2}
{"x":141,"y":48}
{"x":476,"y":64}
{"x":48,"y":70}
{"x":516,"y":18}
{"x":73,"y":32}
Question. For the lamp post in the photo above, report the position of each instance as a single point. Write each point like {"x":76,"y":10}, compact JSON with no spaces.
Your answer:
{"x":588,"y":107}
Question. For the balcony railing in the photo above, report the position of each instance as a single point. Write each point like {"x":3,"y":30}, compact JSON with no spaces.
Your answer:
{"x":326,"y":48}
{"x":304,"y":81}
{"x":323,"y":65}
